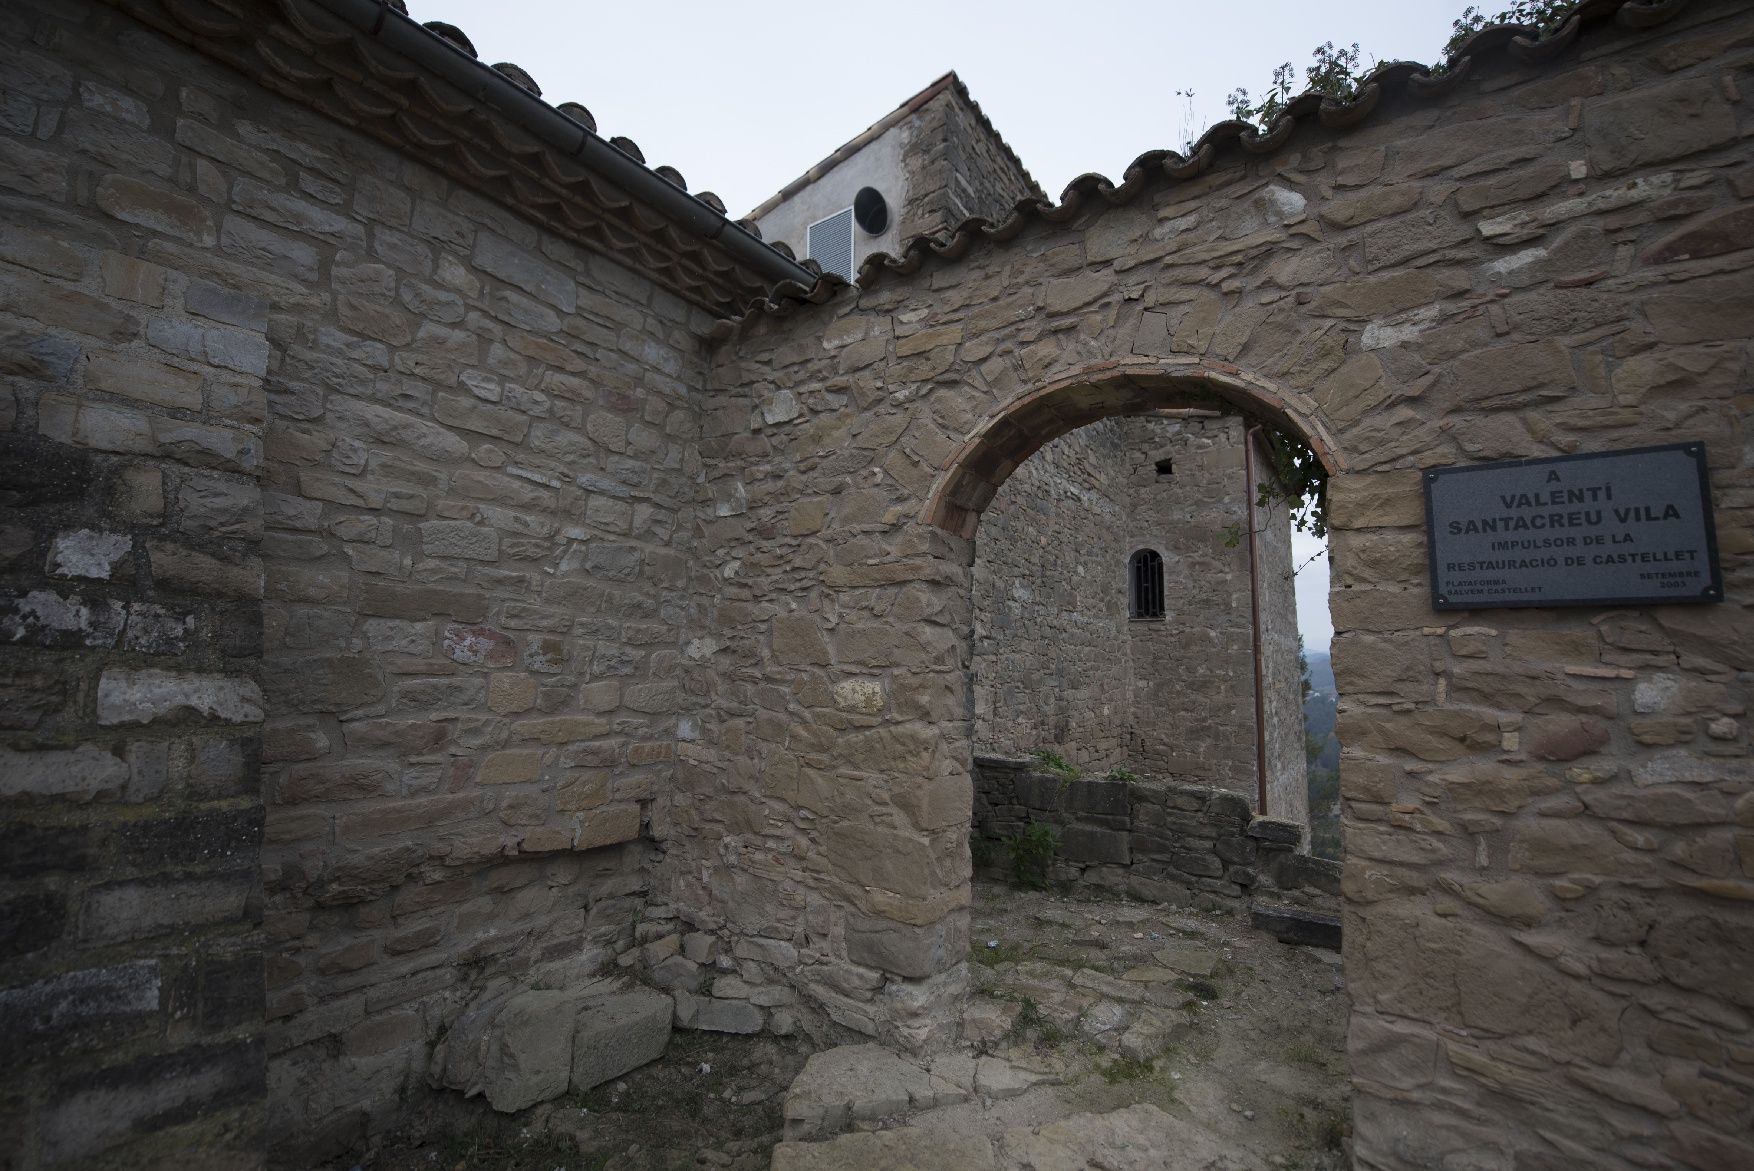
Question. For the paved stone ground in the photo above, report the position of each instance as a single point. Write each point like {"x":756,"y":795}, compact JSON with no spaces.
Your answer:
{"x":1129,"y":1034}
{"x":1105,"y":1033}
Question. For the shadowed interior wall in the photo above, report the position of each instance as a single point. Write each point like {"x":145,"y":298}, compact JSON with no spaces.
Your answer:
{"x":1051,"y":662}
{"x":1061,"y":663}
{"x":259,"y":354}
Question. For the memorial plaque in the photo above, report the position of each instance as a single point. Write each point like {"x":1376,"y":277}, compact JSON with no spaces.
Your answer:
{"x":1603,"y":529}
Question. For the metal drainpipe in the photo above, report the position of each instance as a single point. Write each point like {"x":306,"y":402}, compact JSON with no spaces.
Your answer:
{"x":1248,"y":463}
{"x":405,"y":36}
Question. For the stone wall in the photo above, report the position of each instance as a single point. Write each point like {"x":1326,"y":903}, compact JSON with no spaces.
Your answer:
{"x":1051,"y":662}
{"x":956,"y":168}
{"x":1193,"y":696}
{"x":480,"y":512}
{"x":1547,"y":876}
{"x":253,"y":347}
{"x":1151,"y":838}
{"x":1058,"y":661}
{"x":131,"y":442}
{"x":542,"y":584}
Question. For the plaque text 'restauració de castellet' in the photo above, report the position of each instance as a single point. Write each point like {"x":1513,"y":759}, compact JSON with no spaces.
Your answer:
{"x":1623,"y":527}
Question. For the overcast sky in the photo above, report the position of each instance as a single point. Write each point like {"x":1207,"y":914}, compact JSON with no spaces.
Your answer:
{"x":743,"y":99}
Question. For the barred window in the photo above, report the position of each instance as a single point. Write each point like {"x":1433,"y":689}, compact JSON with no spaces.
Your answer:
{"x":1145,"y":571}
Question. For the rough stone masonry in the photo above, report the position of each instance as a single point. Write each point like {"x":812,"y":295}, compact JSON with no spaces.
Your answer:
{"x":416,"y":584}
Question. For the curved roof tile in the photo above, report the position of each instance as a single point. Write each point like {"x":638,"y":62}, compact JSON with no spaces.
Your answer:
{"x":1523,"y":43}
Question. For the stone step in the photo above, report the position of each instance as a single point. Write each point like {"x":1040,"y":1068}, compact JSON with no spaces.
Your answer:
{"x":1138,"y":1138}
{"x":1293,"y":925}
{"x":860,"y":1084}
{"x":867,"y":1086}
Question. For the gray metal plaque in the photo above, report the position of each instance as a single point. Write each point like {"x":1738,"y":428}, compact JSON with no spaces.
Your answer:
{"x":1606,"y":528}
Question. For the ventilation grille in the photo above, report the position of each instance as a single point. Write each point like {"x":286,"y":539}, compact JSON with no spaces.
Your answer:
{"x":829,"y":243}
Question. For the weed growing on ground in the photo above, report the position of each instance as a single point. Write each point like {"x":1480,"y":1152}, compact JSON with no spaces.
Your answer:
{"x":1317,"y":1124}
{"x":1032,"y":852}
{"x":1127,"y":1069}
{"x":1203,"y":989}
{"x":1303,"y":1051}
{"x":483,"y":1149}
{"x":1031,"y":1025}
{"x":1120,"y":773}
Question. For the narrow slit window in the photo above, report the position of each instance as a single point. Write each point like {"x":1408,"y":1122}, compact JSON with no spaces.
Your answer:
{"x":1145,"y":569}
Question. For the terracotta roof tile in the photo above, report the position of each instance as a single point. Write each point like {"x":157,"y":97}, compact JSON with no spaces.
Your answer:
{"x":302,"y":51}
{"x":1157,"y":167}
{"x":690,"y":262}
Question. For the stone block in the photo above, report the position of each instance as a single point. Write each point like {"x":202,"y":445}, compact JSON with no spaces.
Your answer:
{"x":717,"y":1016}
{"x":147,"y":381}
{"x":910,"y":951}
{"x":1655,"y":124}
{"x":889,"y":1150}
{"x":607,"y":825}
{"x":444,"y":538}
{"x":88,"y":553}
{"x":155,"y":207}
{"x":190,"y":571}
{"x":1204,"y":865}
{"x":1276,"y":831}
{"x":678,"y":973}
{"x":244,"y":310}
{"x":84,"y":997}
{"x":478,"y":646}
{"x":79,"y":773}
{"x":1376,"y":500}
{"x":859,"y":1084}
{"x":500,"y":257}
{"x":1293,"y":925}
{"x":142,"y":697}
{"x":1084,"y":844}
{"x":618,"y":1034}
{"x":529,"y":1050}
{"x":321,"y":683}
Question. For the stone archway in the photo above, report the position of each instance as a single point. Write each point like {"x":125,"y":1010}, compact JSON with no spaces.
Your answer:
{"x":1065,"y":483}
{"x":1015,"y":430}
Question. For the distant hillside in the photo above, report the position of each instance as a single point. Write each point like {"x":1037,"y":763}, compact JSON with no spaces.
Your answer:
{"x":1323,"y":749}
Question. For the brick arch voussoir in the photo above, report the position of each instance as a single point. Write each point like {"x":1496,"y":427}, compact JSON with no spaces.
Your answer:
{"x":971,"y":475}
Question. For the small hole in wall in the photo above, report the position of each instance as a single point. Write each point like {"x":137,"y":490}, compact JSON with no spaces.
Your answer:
{"x":1165,"y":468}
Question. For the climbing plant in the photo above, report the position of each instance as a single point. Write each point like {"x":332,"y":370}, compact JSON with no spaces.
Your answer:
{"x":1339,"y":71}
{"x":1297,"y":480}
